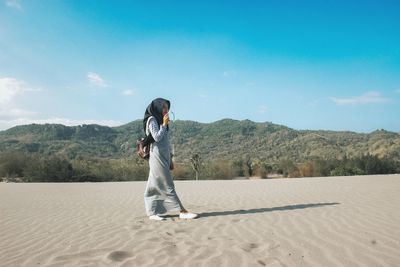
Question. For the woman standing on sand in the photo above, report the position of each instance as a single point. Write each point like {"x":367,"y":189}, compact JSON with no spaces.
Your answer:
{"x":160,"y":195}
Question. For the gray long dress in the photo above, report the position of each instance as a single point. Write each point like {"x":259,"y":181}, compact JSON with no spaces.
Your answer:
{"x":160,"y":195}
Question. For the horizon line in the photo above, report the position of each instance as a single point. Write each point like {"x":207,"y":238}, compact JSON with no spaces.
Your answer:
{"x":211,"y":122}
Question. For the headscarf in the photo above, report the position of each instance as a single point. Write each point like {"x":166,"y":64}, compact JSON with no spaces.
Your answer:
{"x":155,"y":109}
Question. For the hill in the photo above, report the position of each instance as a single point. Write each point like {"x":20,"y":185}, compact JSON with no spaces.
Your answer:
{"x":225,"y":139}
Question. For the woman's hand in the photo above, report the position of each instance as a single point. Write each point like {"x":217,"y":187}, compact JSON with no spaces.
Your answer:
{"x":165,"y":119}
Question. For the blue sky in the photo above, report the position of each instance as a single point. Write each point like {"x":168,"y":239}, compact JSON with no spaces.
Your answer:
{"x":332,"y":65}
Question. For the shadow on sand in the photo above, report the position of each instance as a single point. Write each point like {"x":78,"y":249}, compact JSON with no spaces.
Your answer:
{"x":259,"y":210}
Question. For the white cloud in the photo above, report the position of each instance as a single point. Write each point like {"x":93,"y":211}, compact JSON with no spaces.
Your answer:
{"x":7,"y":112}
{"x":371,"y":97}
{"x":11,"y":87}
{"x":203,"y":95}
{"x":12,"y":115}
{"x":228,"y":73}
{"x":250,"y":83}
{"x":5,"y":124}
{"x":316,"y":101}
{"x":262,"y":109}
{"x":201,"y":92}
{"x":128,"y":92}
{"x":96,"y":80}
{"x":13,"y":4}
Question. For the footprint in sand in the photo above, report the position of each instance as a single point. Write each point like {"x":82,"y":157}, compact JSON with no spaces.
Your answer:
{"x":261,"y":262}
{"x":135,"y":227}
{"x":177,"y":231}
{"x":119,"y":255}
{"x":249,"y":247}
{"x":220,"y":225}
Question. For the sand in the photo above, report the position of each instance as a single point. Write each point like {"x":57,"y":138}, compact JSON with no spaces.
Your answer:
{"x":331,"y":221}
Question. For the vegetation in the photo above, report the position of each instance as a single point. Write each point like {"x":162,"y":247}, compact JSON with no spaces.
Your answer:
{"x":195,"y":161}
{"x":218,"y":150}
{"x":17,"y":166}
{"x":34,"y":168}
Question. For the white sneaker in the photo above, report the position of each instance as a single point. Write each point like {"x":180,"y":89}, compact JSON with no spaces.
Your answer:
{"x":187,"y":215}
{"x":156,"y":217}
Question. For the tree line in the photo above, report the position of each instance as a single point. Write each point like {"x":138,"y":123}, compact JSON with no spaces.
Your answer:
{"x":30,"y":167}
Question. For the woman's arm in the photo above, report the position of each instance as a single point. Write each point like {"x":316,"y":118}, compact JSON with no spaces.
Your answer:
{"x":156,"y":131}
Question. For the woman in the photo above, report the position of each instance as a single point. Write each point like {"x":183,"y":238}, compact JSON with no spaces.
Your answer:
{"x":160,"y":195}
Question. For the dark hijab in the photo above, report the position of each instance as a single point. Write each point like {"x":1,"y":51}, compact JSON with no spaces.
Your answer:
{"x":155,"y":109}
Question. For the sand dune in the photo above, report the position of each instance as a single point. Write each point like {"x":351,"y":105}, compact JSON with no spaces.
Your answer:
{"x":331,"y":221}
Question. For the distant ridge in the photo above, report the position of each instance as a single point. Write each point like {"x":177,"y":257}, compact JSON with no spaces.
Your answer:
{"x":222,"y":139}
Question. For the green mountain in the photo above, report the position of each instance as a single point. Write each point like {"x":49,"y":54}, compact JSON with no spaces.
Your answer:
{"x":226,"y":139}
